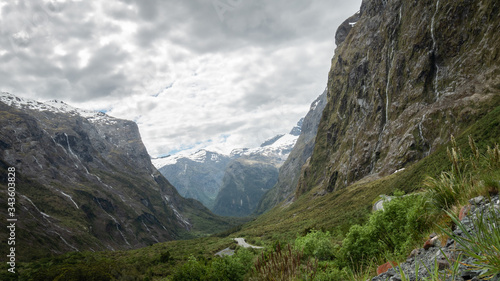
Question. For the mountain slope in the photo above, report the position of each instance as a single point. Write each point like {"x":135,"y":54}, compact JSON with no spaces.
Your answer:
{"x":85,"y":182}
{"x":252,"y":173}
{"x":246,"y":179}
{"x":337,"y":211}
{"x":406,"y":77}
{"x":290,"y":170}
{"x":201,"y":175}
{"x":198,"y":176}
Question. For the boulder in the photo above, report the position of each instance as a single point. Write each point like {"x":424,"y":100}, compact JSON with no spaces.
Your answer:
{"x":386,"y":266}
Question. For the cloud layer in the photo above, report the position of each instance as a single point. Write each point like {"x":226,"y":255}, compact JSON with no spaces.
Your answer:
{"x":192,"y":74}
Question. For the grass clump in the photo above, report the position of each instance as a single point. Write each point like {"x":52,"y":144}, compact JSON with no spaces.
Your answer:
{"x":481,"y":241}
{"x":284,"y":264}
{"x":470,"y":175}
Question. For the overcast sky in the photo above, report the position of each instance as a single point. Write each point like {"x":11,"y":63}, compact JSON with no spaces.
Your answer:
{"x":216,"y":74}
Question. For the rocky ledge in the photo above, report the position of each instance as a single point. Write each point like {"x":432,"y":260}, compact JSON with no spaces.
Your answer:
{"x":434,"y":254}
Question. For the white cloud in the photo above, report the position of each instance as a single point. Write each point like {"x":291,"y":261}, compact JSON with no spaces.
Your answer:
{"x":188,"y":76}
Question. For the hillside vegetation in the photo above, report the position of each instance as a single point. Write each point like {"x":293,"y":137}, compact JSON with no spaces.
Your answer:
{"x":318,"y":227}
{"x":413,"y":112}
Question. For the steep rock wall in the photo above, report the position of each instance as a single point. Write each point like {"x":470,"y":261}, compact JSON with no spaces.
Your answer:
{"x":408,"y":75}
{"x":86,"y":183}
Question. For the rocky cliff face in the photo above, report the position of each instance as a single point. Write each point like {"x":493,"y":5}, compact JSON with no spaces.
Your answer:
{"x":290,"y":170}
{"x":246,"y":179}
{"x":344,"y":28}
{"x":85,"y":182}
{"x":406,"y":77}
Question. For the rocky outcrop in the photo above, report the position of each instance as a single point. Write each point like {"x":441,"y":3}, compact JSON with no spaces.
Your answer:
{"x":290,"y":170}
{"x":345,"y":27}
{"x":444,"y":255}
{"x":406,"y":77}
{"x":84,"y":181}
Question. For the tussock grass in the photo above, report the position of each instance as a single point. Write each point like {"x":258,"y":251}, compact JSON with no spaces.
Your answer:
{"x":284,"y":264}
{"x":483,"y":242}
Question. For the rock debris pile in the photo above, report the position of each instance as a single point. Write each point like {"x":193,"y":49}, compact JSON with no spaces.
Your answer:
{"x":445,"y":255}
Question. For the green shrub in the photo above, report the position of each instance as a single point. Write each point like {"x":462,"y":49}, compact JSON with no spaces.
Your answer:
{"x":228,"y":268}
{"x":231,"y":267}
{"x":316,"y":244}
{"x":390,"y":231}
{"x":190,"y":271}
{"x":329,"y":271}
{"x":165,"y":257}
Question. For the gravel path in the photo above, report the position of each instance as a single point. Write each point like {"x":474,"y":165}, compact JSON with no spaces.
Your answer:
{"x":244,"y":244}
{"x":241,"y":242}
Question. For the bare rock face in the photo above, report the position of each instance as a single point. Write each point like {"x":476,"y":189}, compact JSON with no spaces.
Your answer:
{"x":84,"y":181}
{"x":199,"y":178}
{"x":344,"y":28}
{"x":245,"y":181}
{"x":407,"y":76}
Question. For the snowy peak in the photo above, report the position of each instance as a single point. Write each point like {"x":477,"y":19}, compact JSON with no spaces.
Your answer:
{"x":55,"y":106}
{"x":201,"y":156}
{"x":271,"y":141}
{"x":277,"y":148}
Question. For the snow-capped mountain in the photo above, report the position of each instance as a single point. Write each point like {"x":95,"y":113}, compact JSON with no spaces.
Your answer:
{"x":200,"y":175}
{"x":255,"y":171}
{"x":55,"y":106}
{"x":290,"y":170}
{"x":277,"y":148}
{"x":200,"y":156}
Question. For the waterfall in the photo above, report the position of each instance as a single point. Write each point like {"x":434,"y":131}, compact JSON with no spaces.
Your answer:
{"x":116,"y":222}
{"x":70,"y":198}
{"x":422,"y":135}
{"x":44,"y":215}
{"x":36,"y":161}
{"x":69,"y":147}
{"x":434,"y":50}
{"x":147,"y":228}
{"x":65,"y":242}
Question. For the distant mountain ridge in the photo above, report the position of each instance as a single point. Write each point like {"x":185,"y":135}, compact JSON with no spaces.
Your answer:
{"x":250,"y":175}
{"x":198,"y":176}
{"x":202,"y":175}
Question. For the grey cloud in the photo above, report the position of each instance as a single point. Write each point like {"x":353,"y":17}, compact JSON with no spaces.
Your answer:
{"x":206,"y":131}
{"x":148,"y":9}
{"x":266,"y":80}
